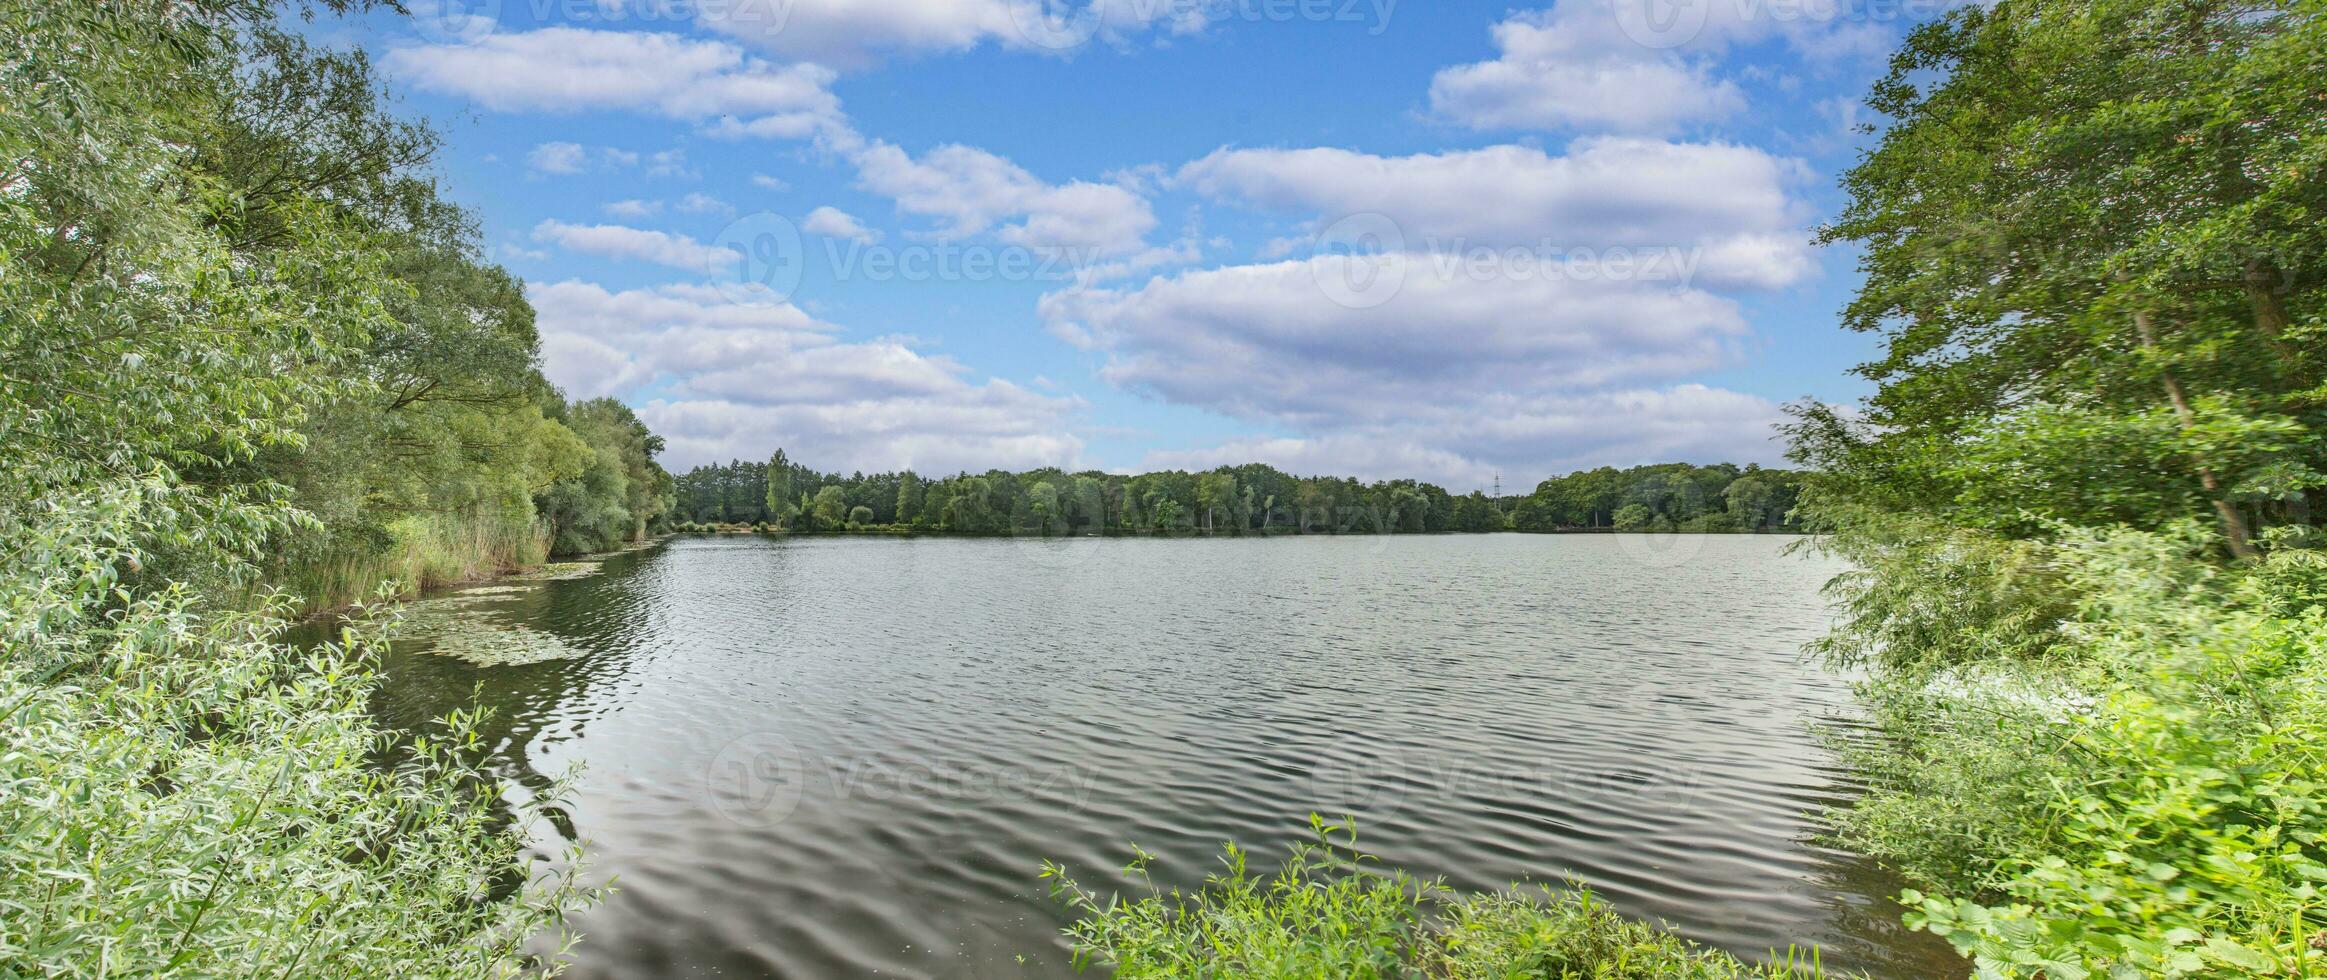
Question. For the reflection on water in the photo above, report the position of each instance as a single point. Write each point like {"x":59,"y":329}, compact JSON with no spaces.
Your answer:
{"x":844,"y":757}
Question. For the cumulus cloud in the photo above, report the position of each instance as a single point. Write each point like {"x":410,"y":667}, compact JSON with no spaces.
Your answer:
{"x":972,"y":191}
{"x":835,"y":223}
{"x":745,"y":375}
{"x":1573,"y":67}
{"x":571,"y":69}
{"x":1522,"y":440}
{"x":1273,"y":342}
{"x":633,"y":208}
{"x":1504,"y":309}
{"x":704,"y":204}
{"x":1730,"y":201}
{"x":558,"y":158}
{"x":859,"y":32}
{"x":624,"y":242}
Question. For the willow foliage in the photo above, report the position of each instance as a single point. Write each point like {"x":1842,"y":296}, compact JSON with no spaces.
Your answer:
{"x":180,"y":794}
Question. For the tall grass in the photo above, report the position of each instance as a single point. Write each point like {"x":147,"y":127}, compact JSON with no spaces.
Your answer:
{"x":418,"y":552}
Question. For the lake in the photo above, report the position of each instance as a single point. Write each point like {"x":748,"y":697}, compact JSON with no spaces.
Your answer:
{"x":833,"y":757}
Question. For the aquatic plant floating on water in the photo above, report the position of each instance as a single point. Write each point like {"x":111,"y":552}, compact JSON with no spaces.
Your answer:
{"x":480,"y":640}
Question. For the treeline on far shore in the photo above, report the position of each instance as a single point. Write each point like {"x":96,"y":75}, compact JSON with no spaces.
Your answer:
{"x":1250,"y":499}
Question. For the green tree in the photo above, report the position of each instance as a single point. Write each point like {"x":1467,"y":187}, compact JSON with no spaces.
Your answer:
{"x":215,"y":253}
{"x":2061,"y":321}
{"x":831,"y":507}
{"x":909,"y":498}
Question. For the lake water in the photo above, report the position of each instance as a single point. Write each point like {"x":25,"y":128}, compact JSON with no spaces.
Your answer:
{"x":850,"y":757}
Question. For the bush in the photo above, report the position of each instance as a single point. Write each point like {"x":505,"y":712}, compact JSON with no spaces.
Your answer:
{"x":1329,"y":911}
{"x":2149,"y":799}
{"x":187,"y":797}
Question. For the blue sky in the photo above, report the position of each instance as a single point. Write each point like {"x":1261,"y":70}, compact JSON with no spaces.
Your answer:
{"x":1381,"y":238}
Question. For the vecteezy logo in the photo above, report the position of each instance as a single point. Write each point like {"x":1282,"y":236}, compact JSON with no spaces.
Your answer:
{"x":764,"y":18}
{"x":455,"y":22}
{"x":1661,"y":24}
{"x":756,"y":259}
{"x":1360,"y":261}
{"x":1055,"y":24}
{"x":1357,"y":777}
{"x":1660,"y":548}
{"x":757,"y":780}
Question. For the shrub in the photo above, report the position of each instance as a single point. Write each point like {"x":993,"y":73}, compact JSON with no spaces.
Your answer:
{"x":1331,"y":911}
{"x":187,"y":797}
{"x":2149,"y":799}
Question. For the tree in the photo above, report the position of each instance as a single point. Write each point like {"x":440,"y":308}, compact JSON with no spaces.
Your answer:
{"x":2061,"y":321}
{"x":831,"y":507}
{"x":782,"y":495}
{"x":223,"y":266}
{"x":1634,"y":517}
{"x":1753,"y":500}
{"x":909,"y":498}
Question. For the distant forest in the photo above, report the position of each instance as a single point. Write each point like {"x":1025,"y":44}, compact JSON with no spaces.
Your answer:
{"x":1249,"y":499}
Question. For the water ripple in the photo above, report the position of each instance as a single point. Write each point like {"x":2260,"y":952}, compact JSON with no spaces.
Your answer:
{"x":849,"y":757}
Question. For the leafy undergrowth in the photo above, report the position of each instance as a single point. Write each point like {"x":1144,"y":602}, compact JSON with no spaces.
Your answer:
{"x":2145,"y":796}
{"x":1331,"y":911}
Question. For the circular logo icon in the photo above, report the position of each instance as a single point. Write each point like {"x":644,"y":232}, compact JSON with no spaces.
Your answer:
{"x":1661,"y":24}
{"x":756,"y":258}
{"x":1360,"y":261}
{"x":1058,"y":25}
{"x":1062,"y":548}
{"x":455,"y":22}
{"x":1357,"y":777}
{"x":1660,"y":549}
{"x":757,"y":780}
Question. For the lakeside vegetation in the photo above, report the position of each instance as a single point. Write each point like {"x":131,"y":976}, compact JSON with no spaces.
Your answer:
{"x":1250,"y":499}
{"x":1330,"y":911}
{"x":2085,"y":500}
{"x":252,"y":365}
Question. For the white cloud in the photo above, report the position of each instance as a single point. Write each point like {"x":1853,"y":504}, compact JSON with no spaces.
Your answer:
{"x":1571,"y":67}
{"x":859,"y":32}
{"x":765,"y":182}
{"x":835,"y":223}
{"x":513,"y":250}
{"x":1522,"y":440}
{"x":571,"y":69}
{"x":633,"y":208}
{"x":981,"y":427}
{"x":1271,"y":342}
{"x":589,"y":309}
{"x":559,"y":158}
{"x":1365,"y":457}
{"x":623,"y":242}
{"x":703,"y":204}
{"x":565,"y":159}
{"x":670,"y":163}
{"x":747,"y":377}
{"x":1508,"y":310}
{"x":1730,"y":201}
{"x":973,"y":191}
